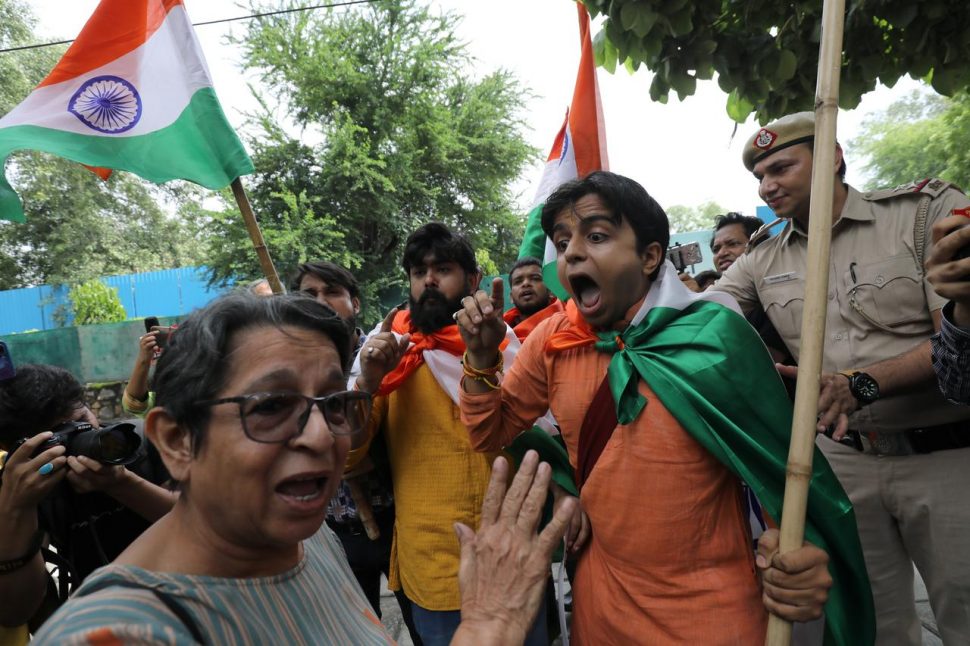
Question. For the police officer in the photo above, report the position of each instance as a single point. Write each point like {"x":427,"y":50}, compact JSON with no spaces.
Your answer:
{"x":899,"y":448}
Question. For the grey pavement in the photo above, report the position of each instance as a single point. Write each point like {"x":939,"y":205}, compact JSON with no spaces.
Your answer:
{"x":391,"y":616}
{"x":931,"y":635}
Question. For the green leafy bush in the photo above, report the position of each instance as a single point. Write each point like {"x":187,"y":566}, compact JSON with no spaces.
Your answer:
{"x":95,"y":302}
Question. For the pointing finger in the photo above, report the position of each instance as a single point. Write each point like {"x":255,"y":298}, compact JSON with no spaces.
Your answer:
{"x":388,"y":320}
{"x":498,"y":294}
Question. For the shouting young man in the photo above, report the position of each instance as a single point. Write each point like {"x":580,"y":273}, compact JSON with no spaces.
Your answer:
{"x":643,"y":377}
{"x":532,"y":301}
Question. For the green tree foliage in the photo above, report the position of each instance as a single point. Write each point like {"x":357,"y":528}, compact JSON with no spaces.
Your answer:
{"x":765,"y":53}
{"x":95,"y":302}
{"x":20,"y":71}
{"x":693,"y":218}
{"x":77,"y":227}
{"x":405,"y":137}
{"x":922,"y":135}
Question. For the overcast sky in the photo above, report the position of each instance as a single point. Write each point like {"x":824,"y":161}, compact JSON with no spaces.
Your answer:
{"x":682,"y":152}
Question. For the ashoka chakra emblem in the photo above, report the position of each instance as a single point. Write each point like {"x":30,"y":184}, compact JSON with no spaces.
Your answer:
{"x":107,"y":104}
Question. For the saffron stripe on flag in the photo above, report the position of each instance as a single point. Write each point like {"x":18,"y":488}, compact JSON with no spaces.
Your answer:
{"x":578,"y":149}
{"x":165,"y":89}
{"x":130,"y":23}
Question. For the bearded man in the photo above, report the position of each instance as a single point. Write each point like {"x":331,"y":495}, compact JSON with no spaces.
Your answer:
{"x":413,"y":364}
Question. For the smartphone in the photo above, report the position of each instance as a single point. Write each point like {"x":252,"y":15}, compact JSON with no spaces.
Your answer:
{"x":7,"y":371}
{"x":151,"y":324}
{"x":683,"y":255}
{"x":163,"y":333}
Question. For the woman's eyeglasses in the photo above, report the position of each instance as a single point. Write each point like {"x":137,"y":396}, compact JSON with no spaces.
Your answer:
{"x":278,"y":417}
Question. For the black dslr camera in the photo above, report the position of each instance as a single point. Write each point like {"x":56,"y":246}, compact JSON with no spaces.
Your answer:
{"x":115,"y":444}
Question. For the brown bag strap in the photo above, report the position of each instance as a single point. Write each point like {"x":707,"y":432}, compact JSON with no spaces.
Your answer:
{"x":598,"y":426}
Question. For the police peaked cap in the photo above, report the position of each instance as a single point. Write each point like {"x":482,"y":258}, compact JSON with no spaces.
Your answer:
{"x":793,"y":129}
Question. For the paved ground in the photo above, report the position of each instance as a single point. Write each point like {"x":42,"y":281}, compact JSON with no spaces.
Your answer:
{"x":391,"y":616}
{"x":931,"y":636}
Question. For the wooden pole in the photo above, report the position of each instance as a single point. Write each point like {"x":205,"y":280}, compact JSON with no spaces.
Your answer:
{"x":269,"y":270}
{"x":820,"y":217}
{"x":365,"y":513}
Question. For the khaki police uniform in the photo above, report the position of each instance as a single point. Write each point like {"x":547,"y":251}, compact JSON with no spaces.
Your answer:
{"x":908,"y":506}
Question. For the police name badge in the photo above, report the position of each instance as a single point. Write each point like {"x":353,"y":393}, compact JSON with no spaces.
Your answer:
{"x":778,"y":279}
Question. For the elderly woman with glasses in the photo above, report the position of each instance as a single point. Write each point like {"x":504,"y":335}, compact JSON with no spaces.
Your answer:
{"x":254,"y":422}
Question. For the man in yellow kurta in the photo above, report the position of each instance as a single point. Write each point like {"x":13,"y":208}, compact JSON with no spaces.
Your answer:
{"x":413,"y":364}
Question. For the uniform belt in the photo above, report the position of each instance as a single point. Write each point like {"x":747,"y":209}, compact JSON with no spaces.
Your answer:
{"x":917,"y":441}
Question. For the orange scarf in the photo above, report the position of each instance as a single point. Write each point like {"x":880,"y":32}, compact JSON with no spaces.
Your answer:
{"x":447,"y":338}
{"x":524,"y":328}
{"x":577,"y":335}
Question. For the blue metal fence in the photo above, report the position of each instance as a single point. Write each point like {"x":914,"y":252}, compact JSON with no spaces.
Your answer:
{"x":170,"y":292}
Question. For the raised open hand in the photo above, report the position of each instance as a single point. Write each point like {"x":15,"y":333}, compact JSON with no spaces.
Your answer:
{"x":504,"y":566}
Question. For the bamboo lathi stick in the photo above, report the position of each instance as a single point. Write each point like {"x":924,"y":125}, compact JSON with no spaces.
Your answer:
{"x":365,"y":513}
{"x":269,"y":270}
{"x":802,"y":446}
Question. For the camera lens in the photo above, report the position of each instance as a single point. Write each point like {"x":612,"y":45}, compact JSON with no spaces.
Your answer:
{"x":117,"y":444}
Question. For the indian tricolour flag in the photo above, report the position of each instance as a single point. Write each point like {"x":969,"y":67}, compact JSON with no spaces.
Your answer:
{"x":131,"y":93}
{"x":579,"y":149}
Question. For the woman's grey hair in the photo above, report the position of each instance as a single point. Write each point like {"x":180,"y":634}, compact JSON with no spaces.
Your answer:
{"x":194,"y":365}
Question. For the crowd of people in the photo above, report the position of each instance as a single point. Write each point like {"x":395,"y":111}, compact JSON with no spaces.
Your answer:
{"x":286,"y":460}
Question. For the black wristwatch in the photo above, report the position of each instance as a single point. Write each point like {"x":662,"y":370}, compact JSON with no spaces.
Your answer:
{"x":864,"y":388}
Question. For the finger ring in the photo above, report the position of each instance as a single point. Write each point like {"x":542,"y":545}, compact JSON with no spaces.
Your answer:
{"x":46,"y":469}
{"x":455,"y":315}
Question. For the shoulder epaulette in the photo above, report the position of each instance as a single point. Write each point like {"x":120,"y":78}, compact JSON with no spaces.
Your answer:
{"x":930,"y":186}
{"x":762,"y":234}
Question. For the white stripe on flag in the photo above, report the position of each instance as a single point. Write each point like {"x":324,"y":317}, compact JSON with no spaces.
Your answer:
{"x":166,"y":71}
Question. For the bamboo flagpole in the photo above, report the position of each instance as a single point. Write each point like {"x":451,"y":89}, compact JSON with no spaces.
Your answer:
{"x":801,"y":449}
{"x":269,"y":270}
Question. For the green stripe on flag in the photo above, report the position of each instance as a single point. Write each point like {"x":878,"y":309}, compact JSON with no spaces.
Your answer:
{"x":200,"y":146}
{"x":534,"y":246}
{"x":534,"y":238}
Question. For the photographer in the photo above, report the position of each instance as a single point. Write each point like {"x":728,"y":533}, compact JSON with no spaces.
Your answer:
{"x":948,"y":270}
{"x":87,"y":510}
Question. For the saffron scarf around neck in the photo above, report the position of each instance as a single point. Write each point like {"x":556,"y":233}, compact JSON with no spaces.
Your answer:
{"x":713,"y":373}
{"x":441,"y":350}
{"x":524,"y":327}
{"x":447,"y":339}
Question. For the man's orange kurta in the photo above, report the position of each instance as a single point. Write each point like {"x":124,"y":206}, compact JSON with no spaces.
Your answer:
{"x":670,"y":559}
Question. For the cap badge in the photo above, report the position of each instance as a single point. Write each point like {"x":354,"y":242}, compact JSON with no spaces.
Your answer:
{"x":764,"y":139}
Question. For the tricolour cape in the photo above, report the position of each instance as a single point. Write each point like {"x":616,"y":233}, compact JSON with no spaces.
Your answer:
{"x":711,"y":370}
{"x":131,"y":93}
